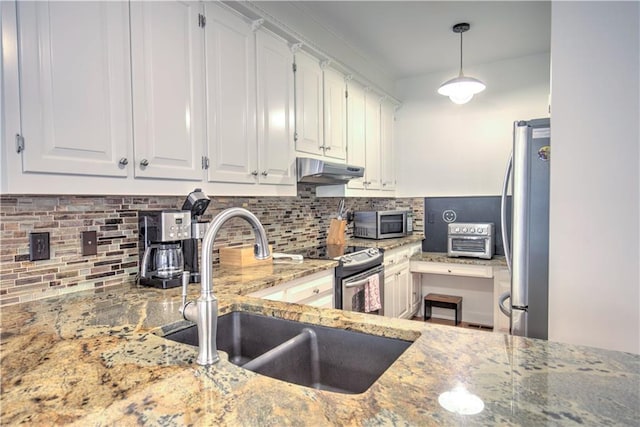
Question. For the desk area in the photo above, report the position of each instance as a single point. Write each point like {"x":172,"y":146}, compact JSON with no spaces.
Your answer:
{"x":478,"y":281}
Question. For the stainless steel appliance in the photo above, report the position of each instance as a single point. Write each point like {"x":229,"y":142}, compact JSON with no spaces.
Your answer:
{"x":470,"y":239}
{"x":161,"y":235}
{"x":196,"y":203}
{"x":322,"y":172}
{"x":356,"y":266}
{"x":528,"y":253}
{"x":380,"y":224}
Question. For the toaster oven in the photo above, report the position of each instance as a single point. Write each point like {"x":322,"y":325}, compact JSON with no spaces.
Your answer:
{"x":470,"y":239}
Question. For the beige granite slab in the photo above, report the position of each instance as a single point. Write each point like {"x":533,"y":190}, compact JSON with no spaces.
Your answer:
{"x":100,"y":359}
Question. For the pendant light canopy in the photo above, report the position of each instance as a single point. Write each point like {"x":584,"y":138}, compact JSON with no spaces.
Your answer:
{"x":462,"y":88}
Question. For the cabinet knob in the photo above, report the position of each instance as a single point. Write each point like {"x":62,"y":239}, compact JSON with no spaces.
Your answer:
{"x":144,"y":163}
{"x":384,"y":184}
{"x":316,"y":291}
{"x":254,"y":173}
{"x":327,"y":148}
{"x":123,"y":162}
{"x":265,"y":173}
{"x":448,"y":270}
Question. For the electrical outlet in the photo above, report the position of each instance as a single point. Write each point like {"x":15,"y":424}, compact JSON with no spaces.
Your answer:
{"x":39,"y":246}
{"x":89,"y":243}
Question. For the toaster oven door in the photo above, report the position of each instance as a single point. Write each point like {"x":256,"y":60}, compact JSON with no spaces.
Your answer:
{"x":468,"y":246}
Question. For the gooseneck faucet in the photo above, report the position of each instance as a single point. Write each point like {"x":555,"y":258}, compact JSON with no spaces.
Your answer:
{"x":204,"y":311}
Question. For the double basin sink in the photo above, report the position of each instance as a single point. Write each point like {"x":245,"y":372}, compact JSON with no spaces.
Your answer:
{"x":314,"y":356}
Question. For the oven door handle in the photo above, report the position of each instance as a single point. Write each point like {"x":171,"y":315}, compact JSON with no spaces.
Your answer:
{"x":357,"y":283}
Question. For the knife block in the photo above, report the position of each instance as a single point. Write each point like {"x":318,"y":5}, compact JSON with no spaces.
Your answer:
{"x":335,"y":236}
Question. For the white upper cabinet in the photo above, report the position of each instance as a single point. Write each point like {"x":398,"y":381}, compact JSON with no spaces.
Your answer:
{"x":388,"y":170}
{"x":372,"y":120}
{"x":356,"y":130}
{"x":276,"y":151}
{"x":335,"y":115}
{"x":74,"y":87}
{"x":167,"y":51}
{"x":309,"y":130}
{"x":231,"y":96}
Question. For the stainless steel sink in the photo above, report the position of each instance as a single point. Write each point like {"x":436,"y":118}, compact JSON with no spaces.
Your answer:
{"x":309,"y":355}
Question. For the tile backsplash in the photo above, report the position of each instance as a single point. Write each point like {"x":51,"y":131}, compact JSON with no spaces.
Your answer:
{"x":290,"y":223}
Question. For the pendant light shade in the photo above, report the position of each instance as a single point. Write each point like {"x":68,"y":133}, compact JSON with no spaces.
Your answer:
{"x":462,"y":88}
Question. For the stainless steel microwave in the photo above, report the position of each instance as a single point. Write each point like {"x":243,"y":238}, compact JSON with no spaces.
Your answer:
{"x":380,"y":224}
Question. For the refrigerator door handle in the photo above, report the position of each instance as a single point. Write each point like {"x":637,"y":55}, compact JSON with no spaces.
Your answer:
{"x":520,"y":214}
{"x":506,"y":310}
{"x":503,"y":212}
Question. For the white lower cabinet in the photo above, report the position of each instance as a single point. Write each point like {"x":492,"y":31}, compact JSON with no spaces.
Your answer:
{"x":401,"y":292}
{"x":316,"y":290}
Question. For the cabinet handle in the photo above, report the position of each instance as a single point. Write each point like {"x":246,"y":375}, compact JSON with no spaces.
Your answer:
{"x":316,"y":291}
{"x":123,"y":162}
{"x":144,"y":163}
{"x":265,"y":173}
{"x":254,"y":173}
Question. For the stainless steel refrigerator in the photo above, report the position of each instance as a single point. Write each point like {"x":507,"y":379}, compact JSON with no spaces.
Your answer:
{"x":527,"y":245}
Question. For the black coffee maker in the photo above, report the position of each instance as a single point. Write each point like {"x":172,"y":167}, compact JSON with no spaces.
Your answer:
{"x":161,"y":238}
{"x":196,"y":203}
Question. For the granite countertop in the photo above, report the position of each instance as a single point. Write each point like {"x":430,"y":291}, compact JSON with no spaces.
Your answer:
{"x":385,"y":244}
{"x":496,"y":261}
{"x":99,"y":358}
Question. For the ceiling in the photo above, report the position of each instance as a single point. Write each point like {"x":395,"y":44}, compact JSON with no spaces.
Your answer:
{"x":409,"y":38}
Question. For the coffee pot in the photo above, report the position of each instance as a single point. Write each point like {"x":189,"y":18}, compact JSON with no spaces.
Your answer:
{"x":162,"y":235}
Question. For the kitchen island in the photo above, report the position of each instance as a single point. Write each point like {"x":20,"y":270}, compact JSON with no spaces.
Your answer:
{"x":100,"y":358}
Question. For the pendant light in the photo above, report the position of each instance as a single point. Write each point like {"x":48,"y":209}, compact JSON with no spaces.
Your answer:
{"x":462,"y":88}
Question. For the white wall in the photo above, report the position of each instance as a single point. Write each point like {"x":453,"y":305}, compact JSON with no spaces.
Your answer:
{"x":595,"y":191}
{"x":446,"y":149}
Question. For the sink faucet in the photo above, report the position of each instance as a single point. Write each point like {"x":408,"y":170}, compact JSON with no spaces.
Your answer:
{"x":204,"y":311}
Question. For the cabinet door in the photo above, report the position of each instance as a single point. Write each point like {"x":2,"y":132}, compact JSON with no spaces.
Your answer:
{"x":372,"y":140}
{"x":308,"y":116}
{"x":387,"y":113}
{"x":390,"y":293}
{"x":356,"y":142}
{"x":335,"y":115}
{"x":403,"y":293}
{"x":75,"y":88}
{"x":167,"y":46}
{"x":231,"y":97}
{"x":276,"y":152}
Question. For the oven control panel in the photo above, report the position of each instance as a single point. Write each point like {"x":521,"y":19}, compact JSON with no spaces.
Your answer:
{"x":360,"y":256}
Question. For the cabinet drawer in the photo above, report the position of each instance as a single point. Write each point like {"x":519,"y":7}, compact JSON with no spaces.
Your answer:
{"x":310,"y":289}
{"x":300,"y":289}
{"x":322,"y":301}
{"x":452,"y":269}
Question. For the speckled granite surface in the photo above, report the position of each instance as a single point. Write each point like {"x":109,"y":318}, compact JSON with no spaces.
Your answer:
{"x":496,"y":261}
{"x":386,"y":244}
{"x":98,"y":359}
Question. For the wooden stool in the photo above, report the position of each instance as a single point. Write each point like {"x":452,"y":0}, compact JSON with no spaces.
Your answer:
{"x":443,"y":301}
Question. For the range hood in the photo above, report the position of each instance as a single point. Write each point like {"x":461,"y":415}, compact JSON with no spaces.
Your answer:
{"x":322,"y":172}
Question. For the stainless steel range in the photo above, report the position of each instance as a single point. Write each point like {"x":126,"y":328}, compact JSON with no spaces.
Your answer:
{"x":358,"y":268}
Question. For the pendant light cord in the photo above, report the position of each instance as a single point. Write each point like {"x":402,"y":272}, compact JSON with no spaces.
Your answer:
{"x":460,"y":53}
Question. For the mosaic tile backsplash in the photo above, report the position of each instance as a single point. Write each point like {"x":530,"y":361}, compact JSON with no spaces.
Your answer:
{"x":290,"y":223}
